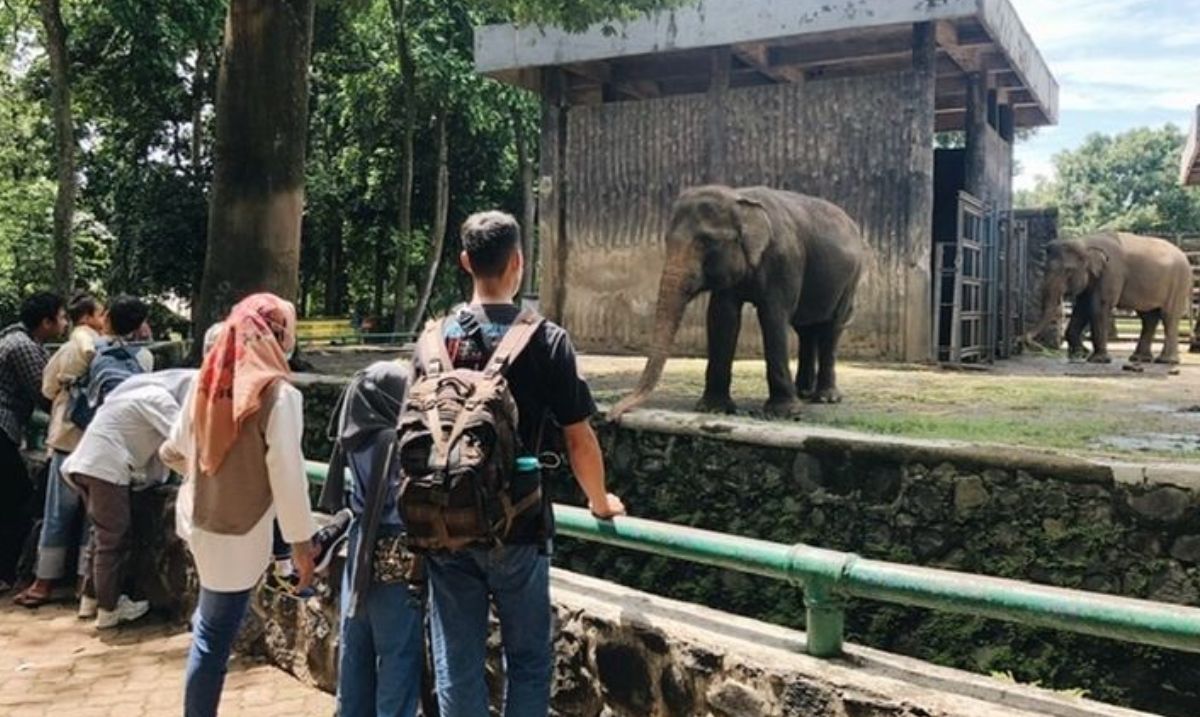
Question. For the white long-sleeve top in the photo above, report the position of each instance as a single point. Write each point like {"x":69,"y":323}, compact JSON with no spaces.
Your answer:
{"x":232,"y":563}
{"x":122,"y":441}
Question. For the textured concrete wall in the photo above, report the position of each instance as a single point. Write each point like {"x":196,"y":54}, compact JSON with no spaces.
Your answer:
{"x":864,"y":143}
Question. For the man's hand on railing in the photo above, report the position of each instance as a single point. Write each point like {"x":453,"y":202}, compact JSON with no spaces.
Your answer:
{"x":611,"y":507}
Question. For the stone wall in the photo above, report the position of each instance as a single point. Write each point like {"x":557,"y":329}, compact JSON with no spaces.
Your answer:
{"x":1127,"y":530}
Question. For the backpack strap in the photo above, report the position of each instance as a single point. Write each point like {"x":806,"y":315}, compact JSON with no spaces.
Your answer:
{"x":431,"y":348}
{"x":515,"y":340}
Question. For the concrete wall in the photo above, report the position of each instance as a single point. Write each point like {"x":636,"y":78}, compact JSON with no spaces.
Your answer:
{"x":864,"y":143}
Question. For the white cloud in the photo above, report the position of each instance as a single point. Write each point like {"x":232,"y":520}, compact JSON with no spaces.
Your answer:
{"x":1033,"y":167}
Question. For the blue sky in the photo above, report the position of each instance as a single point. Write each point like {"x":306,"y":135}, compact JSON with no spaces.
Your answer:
{"x":1119,"y":64}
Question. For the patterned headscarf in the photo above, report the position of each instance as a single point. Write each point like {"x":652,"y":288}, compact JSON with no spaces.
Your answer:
{"x":248,"y":356}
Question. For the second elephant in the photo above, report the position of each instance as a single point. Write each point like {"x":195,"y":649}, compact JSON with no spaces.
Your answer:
{"x":1115,"y":270}
{"x":797,"y":259}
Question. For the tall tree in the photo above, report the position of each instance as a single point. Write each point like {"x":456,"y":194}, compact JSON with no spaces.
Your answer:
{"x":64,"y":130}
{"x":1128,"y":181}
{"x":441,"y":215}
{"x":257,"y":196}
{"x":402,"y":20}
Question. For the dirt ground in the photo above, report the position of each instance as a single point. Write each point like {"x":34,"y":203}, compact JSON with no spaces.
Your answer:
{"x":1036,"y":400}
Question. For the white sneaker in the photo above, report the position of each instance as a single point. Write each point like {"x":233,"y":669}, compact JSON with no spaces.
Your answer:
{"x":87,"y":607}
{"x":127,"y":611}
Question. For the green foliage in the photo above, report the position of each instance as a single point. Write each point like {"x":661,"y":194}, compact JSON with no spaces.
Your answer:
{"x":1128,"y":182}
{"x":576,"y":15}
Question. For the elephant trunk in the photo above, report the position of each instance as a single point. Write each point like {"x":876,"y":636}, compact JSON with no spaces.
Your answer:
{"x":1052,"y":293}
{"x":678,"y":286}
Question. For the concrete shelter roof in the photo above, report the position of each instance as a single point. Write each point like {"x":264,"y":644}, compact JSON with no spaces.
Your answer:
{"x":774,"y":41}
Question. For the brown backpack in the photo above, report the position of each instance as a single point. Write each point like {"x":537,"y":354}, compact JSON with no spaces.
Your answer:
{"x":457,"y":445}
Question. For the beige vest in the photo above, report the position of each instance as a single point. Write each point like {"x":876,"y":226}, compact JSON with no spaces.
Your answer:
{"x":233,"y":500}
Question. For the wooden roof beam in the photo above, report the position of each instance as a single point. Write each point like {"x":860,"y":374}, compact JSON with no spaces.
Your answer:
{"x":758,"y":56}
{"x":890,"y":45}
{"x":968,"y":57}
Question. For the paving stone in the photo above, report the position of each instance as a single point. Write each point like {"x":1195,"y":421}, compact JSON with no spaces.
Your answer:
{"x":53,"y":664}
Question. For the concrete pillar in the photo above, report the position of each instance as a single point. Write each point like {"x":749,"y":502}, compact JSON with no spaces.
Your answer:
{"x":976,"y":128}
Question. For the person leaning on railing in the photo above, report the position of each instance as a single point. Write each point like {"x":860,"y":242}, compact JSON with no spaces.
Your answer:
{"x":22,"y":361}
{"x":64,"y":519}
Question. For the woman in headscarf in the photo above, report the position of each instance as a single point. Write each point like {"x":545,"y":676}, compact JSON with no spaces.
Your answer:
{"x":382,"y":654}
{"x":237,"y":443}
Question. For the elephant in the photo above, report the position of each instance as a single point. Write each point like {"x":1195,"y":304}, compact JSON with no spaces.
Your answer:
{"x":1116,"y":270}
{"x":796,"y":258}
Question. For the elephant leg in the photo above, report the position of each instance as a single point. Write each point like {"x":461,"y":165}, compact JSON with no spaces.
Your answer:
{"x":1143,"y":353}
{"x":724,"y":325}
{"x":827,"y":340}
{"x":806,"y":373}
{"x":774,"y":323}
{"x":1101,"y":315}
{"x":1080,"y":314}
{"x":1170,"y":352}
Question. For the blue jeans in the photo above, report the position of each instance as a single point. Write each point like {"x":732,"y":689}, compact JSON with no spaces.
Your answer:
{"x":381,"y":661}
{"x":517,"y":579}
{"x":64,"y":522}
{"x":214,"y":628}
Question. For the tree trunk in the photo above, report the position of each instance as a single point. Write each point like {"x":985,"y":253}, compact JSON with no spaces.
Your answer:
{"x":441,"y":217}
{"x":198,"y":80}
{"x":64,"y":131}
{"x":258,"y":173}
{"x":408,"y":78}
{"x":334,"y":272}
{"x":380,"y":281}
{"x":528,"y":200}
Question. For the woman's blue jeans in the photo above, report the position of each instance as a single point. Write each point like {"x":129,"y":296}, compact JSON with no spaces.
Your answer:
{"x":382,"y":652}
{"x":214,"y":628}
{"x":64,"y":524}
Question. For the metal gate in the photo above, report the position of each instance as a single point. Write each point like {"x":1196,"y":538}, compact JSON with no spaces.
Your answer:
{"x":967,"y":264}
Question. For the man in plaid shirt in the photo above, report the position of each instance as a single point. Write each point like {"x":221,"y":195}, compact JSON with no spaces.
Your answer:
{"x":22,"y":360}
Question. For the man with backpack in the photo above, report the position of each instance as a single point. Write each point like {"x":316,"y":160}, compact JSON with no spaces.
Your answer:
{"x":116,"y":443}
{"x":22,"y":361}
{"x":114,"y":361}
{"x":63,"y":517}
{"x":491,"y":383}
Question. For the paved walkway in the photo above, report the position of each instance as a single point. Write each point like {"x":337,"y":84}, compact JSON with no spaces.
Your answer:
{"x":52,"y":664}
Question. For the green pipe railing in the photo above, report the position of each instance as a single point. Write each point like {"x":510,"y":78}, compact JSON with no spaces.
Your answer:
{"x":830,"y":577}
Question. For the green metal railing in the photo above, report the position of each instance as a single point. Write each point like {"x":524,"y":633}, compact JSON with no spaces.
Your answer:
{"x":830,"y":577}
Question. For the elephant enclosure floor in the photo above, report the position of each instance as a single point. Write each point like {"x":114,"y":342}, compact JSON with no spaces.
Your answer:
{"x":1033,"y":400}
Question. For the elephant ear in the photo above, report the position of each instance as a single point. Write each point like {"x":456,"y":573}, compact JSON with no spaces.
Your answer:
{"x":1097,"y":260}
{"x":755,"y":228}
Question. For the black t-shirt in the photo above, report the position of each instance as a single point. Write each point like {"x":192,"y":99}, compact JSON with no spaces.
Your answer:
{"x":545,"y":384}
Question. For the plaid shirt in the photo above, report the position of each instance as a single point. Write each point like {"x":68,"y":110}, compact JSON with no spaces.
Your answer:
{"x":22,"y":361}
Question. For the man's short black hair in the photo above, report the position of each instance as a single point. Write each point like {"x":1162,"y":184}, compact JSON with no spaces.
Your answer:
{"x":489,"y":239}
{"x":39,"y":307}
{"x":127,"y":314}
{"x":81,"y":306}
